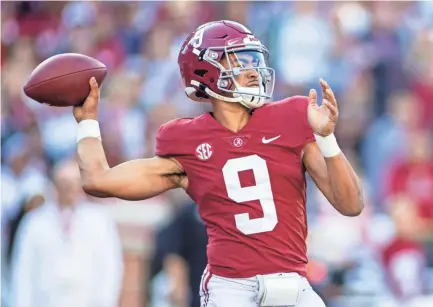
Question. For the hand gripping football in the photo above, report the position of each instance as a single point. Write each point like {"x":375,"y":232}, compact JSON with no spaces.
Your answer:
{"x":63,"y":80}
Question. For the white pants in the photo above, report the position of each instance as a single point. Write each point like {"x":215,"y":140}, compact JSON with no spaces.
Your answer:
{"x":217,"y":291}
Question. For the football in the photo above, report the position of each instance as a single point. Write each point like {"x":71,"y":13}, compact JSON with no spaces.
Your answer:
{"x":63,"y":80}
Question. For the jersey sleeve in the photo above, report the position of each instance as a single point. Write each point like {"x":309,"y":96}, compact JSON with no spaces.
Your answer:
{"x":169,"y":139}
{"x":295,"y":113}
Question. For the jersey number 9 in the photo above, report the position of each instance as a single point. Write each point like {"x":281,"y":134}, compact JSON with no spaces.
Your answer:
{"x":262,"y":192}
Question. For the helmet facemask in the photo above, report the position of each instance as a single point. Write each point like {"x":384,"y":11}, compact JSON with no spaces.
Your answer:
{"x":243,"y":59}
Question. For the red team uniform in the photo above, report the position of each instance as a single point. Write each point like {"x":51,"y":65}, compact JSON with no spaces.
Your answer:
{"x":249,"y":185}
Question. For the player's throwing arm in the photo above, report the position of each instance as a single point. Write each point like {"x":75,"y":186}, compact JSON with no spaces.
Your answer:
{"x":133,"y":180}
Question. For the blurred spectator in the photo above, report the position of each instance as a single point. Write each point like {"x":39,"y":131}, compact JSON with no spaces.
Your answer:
{"x":58,"y":133}
{"x":404,"y":258}
{"x":34,"y":198}
{"x":181,"y":255}
{"x":385,"y":53}
{"x":354,"y":100}
{"x":312,"y":36}
{"x":386,"y":139}
{"x":67,"y":252}
{"x":22,"y":167}
{"x":412,"y":178}
{"x":122,"y":122}
{"x":157,"y":56}
{"x":420,"y":66}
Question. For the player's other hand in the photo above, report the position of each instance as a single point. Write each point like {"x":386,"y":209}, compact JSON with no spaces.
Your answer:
{"x":89,"y":109}
{"x":323,"y":118}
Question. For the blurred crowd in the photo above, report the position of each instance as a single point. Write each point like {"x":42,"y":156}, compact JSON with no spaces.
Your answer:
{"x":377,"y":57}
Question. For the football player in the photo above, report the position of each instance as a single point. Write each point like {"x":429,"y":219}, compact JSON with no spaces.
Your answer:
{"x":244,"y":165}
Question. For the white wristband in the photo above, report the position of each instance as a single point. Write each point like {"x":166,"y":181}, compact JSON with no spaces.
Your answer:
{"x":328,"y":145}
{"x":88,"y":128}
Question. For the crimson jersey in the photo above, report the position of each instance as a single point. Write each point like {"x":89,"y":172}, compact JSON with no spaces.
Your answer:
{"x":249,"y":186}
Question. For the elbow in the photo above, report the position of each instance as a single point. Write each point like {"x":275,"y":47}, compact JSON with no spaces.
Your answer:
{"x":88,"y":186}
{"x":352,"y":212}
{"x":353,"y":208}
{"x":91,"y":187}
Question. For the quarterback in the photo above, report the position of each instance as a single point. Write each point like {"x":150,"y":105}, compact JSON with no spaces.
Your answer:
{"x":244,"y":164}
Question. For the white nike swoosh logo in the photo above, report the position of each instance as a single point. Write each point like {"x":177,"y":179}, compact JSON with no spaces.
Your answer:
{"x":266,"y":141}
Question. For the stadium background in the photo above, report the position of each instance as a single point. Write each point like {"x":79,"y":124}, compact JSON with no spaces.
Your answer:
{"x":378,"y":58}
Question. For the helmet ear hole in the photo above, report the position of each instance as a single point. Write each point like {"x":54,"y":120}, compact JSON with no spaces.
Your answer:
{"x":196,"y":95}
{"x":200,"y":94}
{"x":200,"y":72}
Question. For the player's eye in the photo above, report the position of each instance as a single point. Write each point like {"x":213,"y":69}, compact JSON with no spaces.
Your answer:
{"x":244,"y":63}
